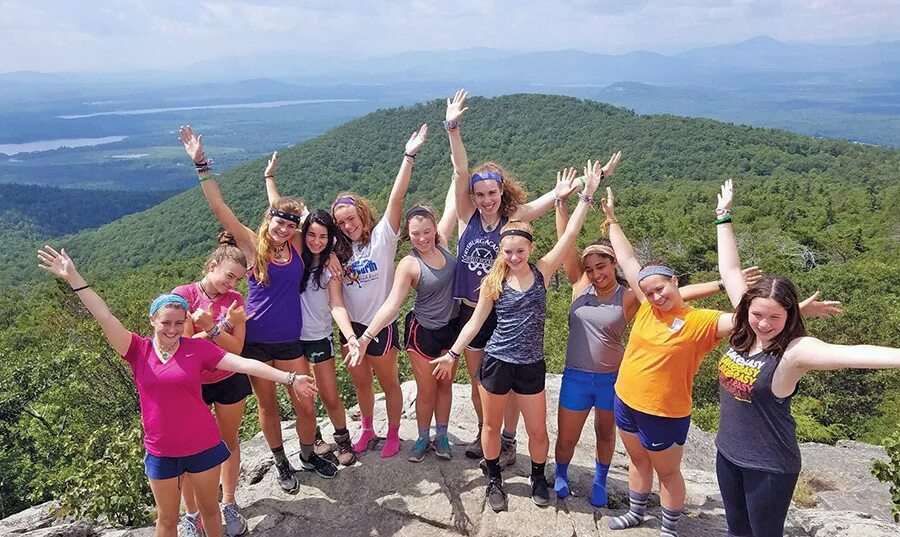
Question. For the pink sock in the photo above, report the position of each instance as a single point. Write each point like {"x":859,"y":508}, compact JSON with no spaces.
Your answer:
{"x":366,"y":436}
{"x":392,"y":443}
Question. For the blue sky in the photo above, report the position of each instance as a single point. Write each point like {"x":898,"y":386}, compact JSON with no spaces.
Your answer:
{"x":129,"y":35}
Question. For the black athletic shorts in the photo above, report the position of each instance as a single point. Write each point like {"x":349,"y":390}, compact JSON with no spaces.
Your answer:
{"x":479,"y":342}
{"x":228,"y":391}
{"x":318,"y":350}
{"x":387,"y":338}
{"x":427,"y":342}
{"x":266,"y":352}
{"x":499,"y":377}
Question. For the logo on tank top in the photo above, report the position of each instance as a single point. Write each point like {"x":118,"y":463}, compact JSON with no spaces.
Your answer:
{"x":479,"y":255}
{"x":737,"y":375}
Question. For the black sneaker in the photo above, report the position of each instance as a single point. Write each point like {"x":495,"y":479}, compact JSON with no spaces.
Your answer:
{"x":540,"y":490}
{"x":286,"y":478}
{"x":320,"y":465}
{"x":496,"y":496}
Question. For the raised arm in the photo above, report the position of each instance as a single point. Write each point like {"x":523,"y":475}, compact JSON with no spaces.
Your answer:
{"x":570,"y":262}
{"x":447,"y":223}
{"x":624,"y":252}
{"x":394,"y":211}
{"x":405,"y":277}
{"x":456,"y":107}
{"x":697,"y":291}
{"x":60,"y":265}
{"x":444,"y":364}
{"x":729,"y":259}
{"x":272,"y":189}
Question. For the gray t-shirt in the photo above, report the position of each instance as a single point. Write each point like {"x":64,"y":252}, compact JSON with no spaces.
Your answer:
{"x":435,"y":306}
{"x":519,"y":336}
{"x":595,"y":332}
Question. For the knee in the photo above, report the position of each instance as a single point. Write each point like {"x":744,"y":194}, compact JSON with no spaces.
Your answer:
{"x":669,"y":474}
{"x":362,"y":382}
{"x":426,"y":392}
{"x":605,"y":437}
{"x":167,"y":519}
{"x":331,"y":400}
{"x":566,"y":443}
{"x":234,"y":444}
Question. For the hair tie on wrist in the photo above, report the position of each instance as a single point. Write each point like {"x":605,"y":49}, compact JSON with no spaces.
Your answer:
{"x":82,"y":288}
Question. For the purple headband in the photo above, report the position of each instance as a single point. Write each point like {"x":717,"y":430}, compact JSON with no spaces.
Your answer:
{"x":517,"y":233}
{"x":345,"y":200}
{"x":287,"y":216}
{"x":484,"y":176}
{"x":654,"y":270}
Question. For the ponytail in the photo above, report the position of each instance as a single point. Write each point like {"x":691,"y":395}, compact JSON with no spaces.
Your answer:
{"x":227,"y":251}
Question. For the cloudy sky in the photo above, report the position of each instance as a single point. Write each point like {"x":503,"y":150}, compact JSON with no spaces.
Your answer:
{"x":128,"y":35}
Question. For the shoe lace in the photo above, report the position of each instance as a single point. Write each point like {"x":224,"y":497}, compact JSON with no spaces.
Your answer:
{"x":495,"y":485}
{"x":190,"y":527}
{"x":420,"y":445}
{"x":284,"y":470}
{"x":443,"y":443}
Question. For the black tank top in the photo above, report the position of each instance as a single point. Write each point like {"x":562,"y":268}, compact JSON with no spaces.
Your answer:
{"x":756,"y":429}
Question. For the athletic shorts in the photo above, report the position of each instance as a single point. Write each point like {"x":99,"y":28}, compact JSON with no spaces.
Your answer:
{"x":384,"y":340}
{"x":318,"y":350}
{"x":227,"y":391}
{"x":499,"y":377}
{"x":479,"y":342}
{"x":656,"y":433}
{"x":427,"y":342}
{"x":583,"y":390}
{"x":266,"y":352}
{"x":169,"y":467}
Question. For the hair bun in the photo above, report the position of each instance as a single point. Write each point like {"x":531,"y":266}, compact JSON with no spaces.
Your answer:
{"x":227,"y":238}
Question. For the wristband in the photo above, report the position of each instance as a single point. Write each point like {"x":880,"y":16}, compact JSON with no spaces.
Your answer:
{"x":587,"y":199}
{"x":724,"y":220}
{"x":291,"y":378}
{"x":269,"y":176}
{"x":722,"y":212}
{"x":561,"y":202}
{"x":214,"y":331}
{"x":611,"y":221}
{"x":583,"y":184}
{"x":226,"y":325}
{"x":454,"y":355}
{"x":450,"y":125}
{"x":410,"y":157}
{"x":82,"y":288}
{"x":204,"y":178}
{"x":721,"y":285}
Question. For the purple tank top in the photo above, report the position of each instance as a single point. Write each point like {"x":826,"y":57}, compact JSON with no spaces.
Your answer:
{"x":475,"y":254}
{"x":276,"y":306}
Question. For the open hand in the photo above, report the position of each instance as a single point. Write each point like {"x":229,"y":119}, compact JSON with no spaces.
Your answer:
{"x":592,"y":177}
{"x":610,"y":167}
{"x":271,"y":165}
{"x":751,"y":275}
{"x":566,"y":183}
{"x":417,"y":140}
{"x":356,"y":351}
{"x":725,"y":198}
{"x":57,"y":263}
{"x":811,"y":307}
{"x":305,"y":386}
{"x":193,"y":144}
{"x":456,"y":106}
{"x":443,"y":367}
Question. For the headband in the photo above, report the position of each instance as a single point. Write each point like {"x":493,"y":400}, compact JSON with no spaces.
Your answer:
{"x":344,"y":200}
{"x":654,"y":270}
{"x":598,"y":249}
{"x":287,"y":216}
{"x":484,"y":176}
{"x":418,"y":210}
{"x":517,"y":233}
{"x":162,"y":300}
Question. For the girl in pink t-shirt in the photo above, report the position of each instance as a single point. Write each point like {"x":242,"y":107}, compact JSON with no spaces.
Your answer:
{"x":180,"y":433}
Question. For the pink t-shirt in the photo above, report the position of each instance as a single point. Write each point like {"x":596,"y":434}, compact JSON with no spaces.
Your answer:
{"x":197,"y":299}
{"x":176,"y":421}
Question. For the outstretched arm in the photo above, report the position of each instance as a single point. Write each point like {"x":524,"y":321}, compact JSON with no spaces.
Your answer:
{"x":570,"y":259}
{"x":406,"y":276}
{"x":729,"y":259}
{"x":304,"y":385}
{"x":444,"y":365}
{"x":624,"y":252}
{"x":394,"y":211}
{"x":696,"y":291}
{"x":456,"y":107}
{"x":60,"y":265}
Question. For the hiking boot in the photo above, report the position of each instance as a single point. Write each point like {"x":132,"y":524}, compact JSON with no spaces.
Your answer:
{"x":323,"y":467}
{"x":540,"y":490}
{"x":441,"y":446}
{"x":507,"y":452}
{"x":235,"y":523}
{"x":473,"y":450}
{"x":496,"y":496}
{"x":286,"y":478}
{"x":323,"y":448}
{"x":189,"y":526}
{"x":345,"y":454}
{"x":417,"y":453}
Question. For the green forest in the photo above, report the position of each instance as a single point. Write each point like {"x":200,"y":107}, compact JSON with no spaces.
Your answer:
{"x":823,"y":212}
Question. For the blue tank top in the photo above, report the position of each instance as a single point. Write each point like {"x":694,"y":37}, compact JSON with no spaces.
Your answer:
{"x":475,"y":252}
{"x":519,"y":336}
{"x":276,"y":310}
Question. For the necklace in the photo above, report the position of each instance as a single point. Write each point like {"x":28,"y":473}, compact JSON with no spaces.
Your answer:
{"x":489,"y":226}
{"x":608,"y":292}
{"x":205,"y":292}
{"x":166,"y":353}
{"x":279,"y":252}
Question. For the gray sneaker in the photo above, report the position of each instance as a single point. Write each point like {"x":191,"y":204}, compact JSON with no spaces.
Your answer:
{"x":507,"y":452}
{"x":473,"y":450}
{"x":286,"y":478}
{"x":417,"y":453}
{"x":441,"y":446}
{"x":190,"y":526}
{"x":235,"y":523}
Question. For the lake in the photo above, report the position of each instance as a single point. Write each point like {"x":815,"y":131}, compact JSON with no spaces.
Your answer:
{"x":47,"y":145}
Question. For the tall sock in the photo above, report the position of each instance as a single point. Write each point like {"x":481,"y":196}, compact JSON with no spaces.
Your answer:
{"x":635,"y":514}
{"x":537,"y":468}
{"x":366,"y":423}
{"x":306,"y":451}
{"x":392,"y":442}
{"x":425,"y":432}
{"x":366,"y":435}
{"x":278,"y":453}
{"x":599,"y":497}
{"x":440,"y":429}
{"x":561,"y":485}
{"x":493,"y":466}
{"x":669,"y":522}
{"x":341,"y":435}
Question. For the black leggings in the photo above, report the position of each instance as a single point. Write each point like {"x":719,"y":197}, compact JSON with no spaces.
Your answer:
{"x":756,"y":502}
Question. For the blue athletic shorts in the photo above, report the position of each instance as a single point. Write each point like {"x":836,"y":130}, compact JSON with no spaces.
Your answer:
{"x":169,"y":467}
{"x":656,"y":433}
{"x":583,"y":390}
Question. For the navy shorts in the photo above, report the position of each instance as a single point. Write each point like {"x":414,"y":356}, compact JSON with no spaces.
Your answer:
{"x":384,"y":340}
{"x":168,"y":467}
{"x":656,"y":433}
{"x":427,"y":342}
{"x":229,"y":391}
{"x":479,"y":342}
{"x":583,"y":390}
{"x":266,"y":352}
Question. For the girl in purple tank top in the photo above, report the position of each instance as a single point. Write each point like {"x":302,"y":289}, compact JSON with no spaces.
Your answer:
{"x":273,"y":306}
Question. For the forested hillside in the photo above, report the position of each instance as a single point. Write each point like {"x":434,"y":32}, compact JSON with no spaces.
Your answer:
{"x":825,"y":213}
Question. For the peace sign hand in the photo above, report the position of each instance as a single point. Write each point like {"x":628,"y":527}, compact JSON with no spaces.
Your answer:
{"x":193,"y":144}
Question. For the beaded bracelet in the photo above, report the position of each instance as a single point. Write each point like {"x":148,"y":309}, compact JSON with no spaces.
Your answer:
{"x":450,"y":125}
{"x":587,"y":199}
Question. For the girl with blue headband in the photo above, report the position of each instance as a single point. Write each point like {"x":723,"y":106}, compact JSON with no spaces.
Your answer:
{"x":180,"y":432}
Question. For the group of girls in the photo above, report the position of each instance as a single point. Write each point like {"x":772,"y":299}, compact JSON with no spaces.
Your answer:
{"x":306,"y":269}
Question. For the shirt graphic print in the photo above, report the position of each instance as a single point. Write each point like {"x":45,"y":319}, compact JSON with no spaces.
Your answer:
{"x":737,"y":375}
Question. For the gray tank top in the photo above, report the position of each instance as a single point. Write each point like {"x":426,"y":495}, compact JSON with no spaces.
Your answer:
{"x":435,"y":306}
{"x":595,"y":332}
{"x":519,"y":336}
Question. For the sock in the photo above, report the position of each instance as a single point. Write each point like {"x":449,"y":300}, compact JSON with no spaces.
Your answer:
{"x":425,"y":432}
{"x":440,"y":429}
{"x":669,"y":522}
{"x":561,"y":486}
{"x":278,"y":453}
{"x":510,"y":437}
{"x":493,"y":466}
{"x":366,"y":435}
{"x":192,"y":516}
{"x":635,"y":514}
{"x":599,"y":498}
{"x":341,"y":432}
{"x":366,"y":422}
{"x":392,"y":443}
{"x":306,"y":451}
{"x":537,"y":468}
{"x":318,"y":433}
{"x":341,"y":435}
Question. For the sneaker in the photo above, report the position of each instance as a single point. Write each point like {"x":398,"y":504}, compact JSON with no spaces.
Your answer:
{"x":190,"y":526}
{"x":323,"y":467}
{"x":540,"y":490}
{"x":473,"y":450}
{"x":441,"y":446}
{"x":323,"y":448}
{"x":235,"y":523}
{"x":417,"y":453}
{"x":507,"y":452}
{"x":345,"y":454}
{"x":482,"y":465}
{"x":496,"y":496}
{"x":286,"y":478}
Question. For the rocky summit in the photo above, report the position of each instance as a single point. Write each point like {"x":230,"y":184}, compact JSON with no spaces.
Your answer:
{"x":378,"y":497}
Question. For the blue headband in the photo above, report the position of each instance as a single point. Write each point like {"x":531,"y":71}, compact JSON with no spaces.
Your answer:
{"x":162,"y":300}
{"x":654,"y":270}
{"x":484,"y":176}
